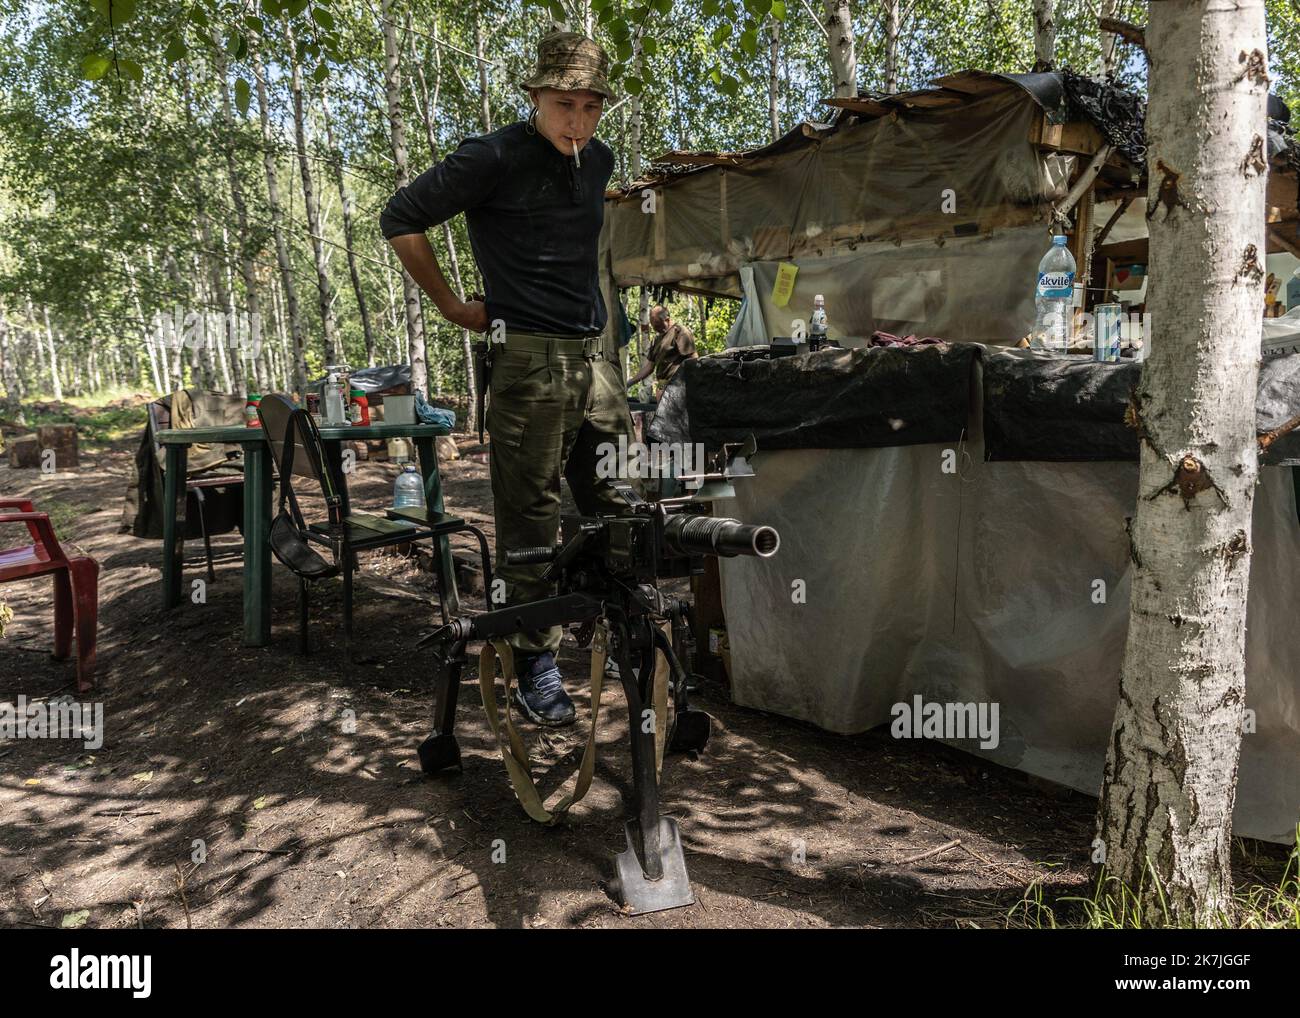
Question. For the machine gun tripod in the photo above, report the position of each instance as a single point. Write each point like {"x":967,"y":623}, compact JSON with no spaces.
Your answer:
{"x":606,"y":570}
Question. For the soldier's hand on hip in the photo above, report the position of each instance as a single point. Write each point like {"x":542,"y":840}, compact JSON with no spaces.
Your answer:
{"x":468,"y":314}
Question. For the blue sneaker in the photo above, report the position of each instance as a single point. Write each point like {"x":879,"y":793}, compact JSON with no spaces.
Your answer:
{"x":539,"y":691}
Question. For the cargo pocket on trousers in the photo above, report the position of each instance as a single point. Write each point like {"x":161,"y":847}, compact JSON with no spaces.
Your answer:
{"x":506,"y":424}
{"x":608,"y":411}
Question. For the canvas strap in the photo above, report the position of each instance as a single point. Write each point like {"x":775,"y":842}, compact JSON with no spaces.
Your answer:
{"x":513,"y":751}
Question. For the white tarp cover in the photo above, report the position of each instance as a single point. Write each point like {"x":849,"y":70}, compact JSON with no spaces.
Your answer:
{"x":979,"y":587}
{"x":977,"y":289}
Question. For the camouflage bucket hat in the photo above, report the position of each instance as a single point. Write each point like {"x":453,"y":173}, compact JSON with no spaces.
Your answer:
{"x":570,"y":60}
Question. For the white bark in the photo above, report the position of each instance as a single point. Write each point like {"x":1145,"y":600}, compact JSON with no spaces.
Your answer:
{"x":54,"y":354}
{"x":1108,"y":39}
{"x":144,"y":323}
{"x":773,"y":77}
{"x":844,"y":64}
{"x":893,"y":29}
{"x":311,"y":203}
{"x":483,"y":90}
{"x":1171,"y":770}
{"x":247,"y":271}
{"x":289,"y":290}
{"x":634,"y":147}
{"x":426,"y":106}
{"x":1045,"y":34}
{"x":397,"y":139}
{"x":354,"y":270}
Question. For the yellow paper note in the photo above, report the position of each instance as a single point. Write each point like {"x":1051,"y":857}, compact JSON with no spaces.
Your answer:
{"x":784,"y":285}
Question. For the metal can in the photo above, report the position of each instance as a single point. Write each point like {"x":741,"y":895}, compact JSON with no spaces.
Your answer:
{"x":1106,"y":336}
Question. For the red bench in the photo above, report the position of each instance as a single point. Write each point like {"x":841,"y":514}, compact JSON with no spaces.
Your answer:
{"x":76,"y":584}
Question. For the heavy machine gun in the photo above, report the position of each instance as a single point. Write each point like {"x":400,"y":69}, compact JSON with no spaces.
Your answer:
{"x":607,"y":571}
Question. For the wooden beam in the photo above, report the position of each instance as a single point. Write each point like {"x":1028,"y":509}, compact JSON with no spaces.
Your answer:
{"x":1284,"y":242}
{"x":1115,"y":217}
{"x":1076,"y":136}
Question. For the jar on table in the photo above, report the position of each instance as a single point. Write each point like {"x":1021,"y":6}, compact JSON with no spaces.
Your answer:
{"x":250,"y":410}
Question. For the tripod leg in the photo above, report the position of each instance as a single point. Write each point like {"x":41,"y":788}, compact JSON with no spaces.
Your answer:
{"x":651,"y":873}
{"x":644,"y":782}
{"x":440,"y":750}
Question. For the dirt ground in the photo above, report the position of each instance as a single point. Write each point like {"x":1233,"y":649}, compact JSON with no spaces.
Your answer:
{"x":244,"y":758}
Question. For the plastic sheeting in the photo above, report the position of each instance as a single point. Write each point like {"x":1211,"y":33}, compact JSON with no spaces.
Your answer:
{"x":1036,"y":406}
{"x":978,"y":587}
{"x":748,"y":329}
{"x":831,"y":399}
{"x":978,"y":289}
{"x":931,"y":174}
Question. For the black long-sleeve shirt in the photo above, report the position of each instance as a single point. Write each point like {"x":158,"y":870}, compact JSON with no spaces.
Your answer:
{"x":534,"y":223}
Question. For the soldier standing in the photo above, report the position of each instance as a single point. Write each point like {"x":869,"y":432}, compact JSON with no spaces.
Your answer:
{"x":533,"y":198}
{"x":673,"y":345}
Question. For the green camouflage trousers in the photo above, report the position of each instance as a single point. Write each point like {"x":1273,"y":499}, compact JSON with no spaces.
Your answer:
{"x":550,"y":409}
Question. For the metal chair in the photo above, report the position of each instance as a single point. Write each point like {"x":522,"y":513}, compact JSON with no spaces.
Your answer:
{"x":298,"y":451}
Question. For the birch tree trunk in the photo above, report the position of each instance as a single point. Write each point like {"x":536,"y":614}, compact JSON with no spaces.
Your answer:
{"x":1108,"y":40}
{"x":10,"y":372}
{"x":55,"y":383}
{"x":354,"y":271}
{"x":34,"y":335}
{"x":397,"y":139}
{"x":774,"y":77}
{"x":427,"y":107}
{"x":844,"y":64}
{"x":893,"y":29}
{"x":144,"y":322}
{"x":311,"y":204}
{"x":483,"y":91}
{"x":1165,"y":817}
{"x":288,"y":288}
{"x":247,"y":271}
{"x":634,"y":162}
{"x":1045,"y":34}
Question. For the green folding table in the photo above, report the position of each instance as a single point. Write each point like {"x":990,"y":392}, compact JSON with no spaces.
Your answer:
{"x":257,"y":507}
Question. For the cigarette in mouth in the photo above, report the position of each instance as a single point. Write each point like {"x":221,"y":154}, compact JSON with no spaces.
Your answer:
{"x":576,"y":160}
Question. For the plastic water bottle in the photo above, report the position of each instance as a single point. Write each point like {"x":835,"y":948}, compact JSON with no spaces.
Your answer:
{"x":335,"y":403}
{"x":817,"y":327}
{"x":408,"y":491}
{"x":1054,"y":298}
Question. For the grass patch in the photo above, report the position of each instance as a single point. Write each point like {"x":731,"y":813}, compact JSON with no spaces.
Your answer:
{"x":1264,"y":902}
{"x":99,"y":420}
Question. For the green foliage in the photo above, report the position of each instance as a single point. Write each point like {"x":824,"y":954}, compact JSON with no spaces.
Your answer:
{"x":113,"y":142}
{"x":99,"y":426}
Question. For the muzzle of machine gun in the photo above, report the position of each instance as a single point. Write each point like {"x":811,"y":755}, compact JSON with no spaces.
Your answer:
{"x":688,"y":534}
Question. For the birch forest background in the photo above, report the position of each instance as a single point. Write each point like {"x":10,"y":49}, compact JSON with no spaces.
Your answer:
{"x":161,"y":163}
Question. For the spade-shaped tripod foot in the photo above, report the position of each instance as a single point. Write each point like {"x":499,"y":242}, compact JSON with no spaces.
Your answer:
{"x":636,"y":891}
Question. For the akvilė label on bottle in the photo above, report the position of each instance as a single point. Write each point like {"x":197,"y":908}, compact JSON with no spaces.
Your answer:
{"x":1056,"y":284}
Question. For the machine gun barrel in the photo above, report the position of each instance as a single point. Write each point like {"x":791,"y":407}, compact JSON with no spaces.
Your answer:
{"x":713,"y":535}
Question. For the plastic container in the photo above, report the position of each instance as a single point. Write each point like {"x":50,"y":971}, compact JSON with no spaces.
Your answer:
{"x":250,"y":410}
{"x":359,"y":409}
{"x":1054,"y":298}
{"x":408,"y":490}
{"x":817,"y":327}
{"x":335,"y":403}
